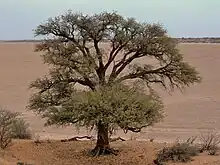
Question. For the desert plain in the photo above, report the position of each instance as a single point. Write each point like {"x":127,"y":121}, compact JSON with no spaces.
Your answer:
{"x":188,"y":113}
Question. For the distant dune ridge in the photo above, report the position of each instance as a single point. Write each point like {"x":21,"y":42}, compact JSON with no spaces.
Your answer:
{"x":180,"y":40}
{"x":199,"y":40}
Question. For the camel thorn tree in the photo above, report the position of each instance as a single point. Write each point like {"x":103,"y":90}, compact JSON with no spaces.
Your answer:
{"x":102,"y":52}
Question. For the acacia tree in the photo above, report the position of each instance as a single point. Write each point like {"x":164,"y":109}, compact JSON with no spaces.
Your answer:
{"x":75,"y":47}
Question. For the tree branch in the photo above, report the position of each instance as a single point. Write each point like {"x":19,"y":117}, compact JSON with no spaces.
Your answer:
{"x":66,"y":35}
{"x":160,"y":70}
{"x":134,"y":129}
{"x":122,"y":64}
{"x":49,"y":84}
{"x":114,"y":52}
{"x":100,"y":71}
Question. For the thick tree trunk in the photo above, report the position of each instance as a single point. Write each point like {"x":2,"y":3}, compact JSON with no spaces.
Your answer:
{"x":102,"y":137}
{"x":102,"y":144}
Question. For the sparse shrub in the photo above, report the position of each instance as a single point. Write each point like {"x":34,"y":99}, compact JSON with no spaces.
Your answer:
{"x":7,"y":119}
{"x":20,"y":129}
{"x":8,"y":122}
{"x":210,"y":142}
{"x":191,"y":140}
{"x":180,"y":152}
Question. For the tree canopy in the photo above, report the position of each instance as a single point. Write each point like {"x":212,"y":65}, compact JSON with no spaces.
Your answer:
{"x":73,"y":47}
{"x":120,"y":106}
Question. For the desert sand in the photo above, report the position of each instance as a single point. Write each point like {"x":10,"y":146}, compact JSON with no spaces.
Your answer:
{"x":75,"y":153}
{"x":187,"y":114}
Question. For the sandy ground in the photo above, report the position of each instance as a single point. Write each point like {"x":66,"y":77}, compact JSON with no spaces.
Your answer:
{"x":75,"y":153}
{"x":190,"y":113}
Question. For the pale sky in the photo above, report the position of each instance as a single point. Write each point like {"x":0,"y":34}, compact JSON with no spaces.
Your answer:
{"x":182,"y":18}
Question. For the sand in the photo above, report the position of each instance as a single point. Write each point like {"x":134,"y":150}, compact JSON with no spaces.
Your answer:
{"x":187,"y":114}
{"x":75,"y":153}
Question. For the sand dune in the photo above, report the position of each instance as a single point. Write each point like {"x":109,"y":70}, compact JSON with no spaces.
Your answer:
{"x":189,"y":113}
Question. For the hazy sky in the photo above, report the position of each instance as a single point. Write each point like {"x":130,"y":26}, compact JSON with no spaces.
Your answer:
{"x":195,"y":18}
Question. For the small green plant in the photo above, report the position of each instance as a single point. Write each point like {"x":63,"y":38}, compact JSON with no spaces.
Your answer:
{"x":179,"y":152}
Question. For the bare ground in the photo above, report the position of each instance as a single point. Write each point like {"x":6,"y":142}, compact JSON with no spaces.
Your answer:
{"x":75,"y":153}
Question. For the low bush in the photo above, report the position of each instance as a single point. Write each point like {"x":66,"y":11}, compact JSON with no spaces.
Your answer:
{"x":179,"y":152}
{"x":20,"y":129}
{"x":11,"y":126}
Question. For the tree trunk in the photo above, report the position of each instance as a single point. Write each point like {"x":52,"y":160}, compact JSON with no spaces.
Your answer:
{"x":102,"y":137}
{"x":102,"y":144}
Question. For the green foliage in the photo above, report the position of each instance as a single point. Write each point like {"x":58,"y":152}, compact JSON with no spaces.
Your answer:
{"x":74,"y":48}
{"x":180,"y":152}
{"x":128,"y":108}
